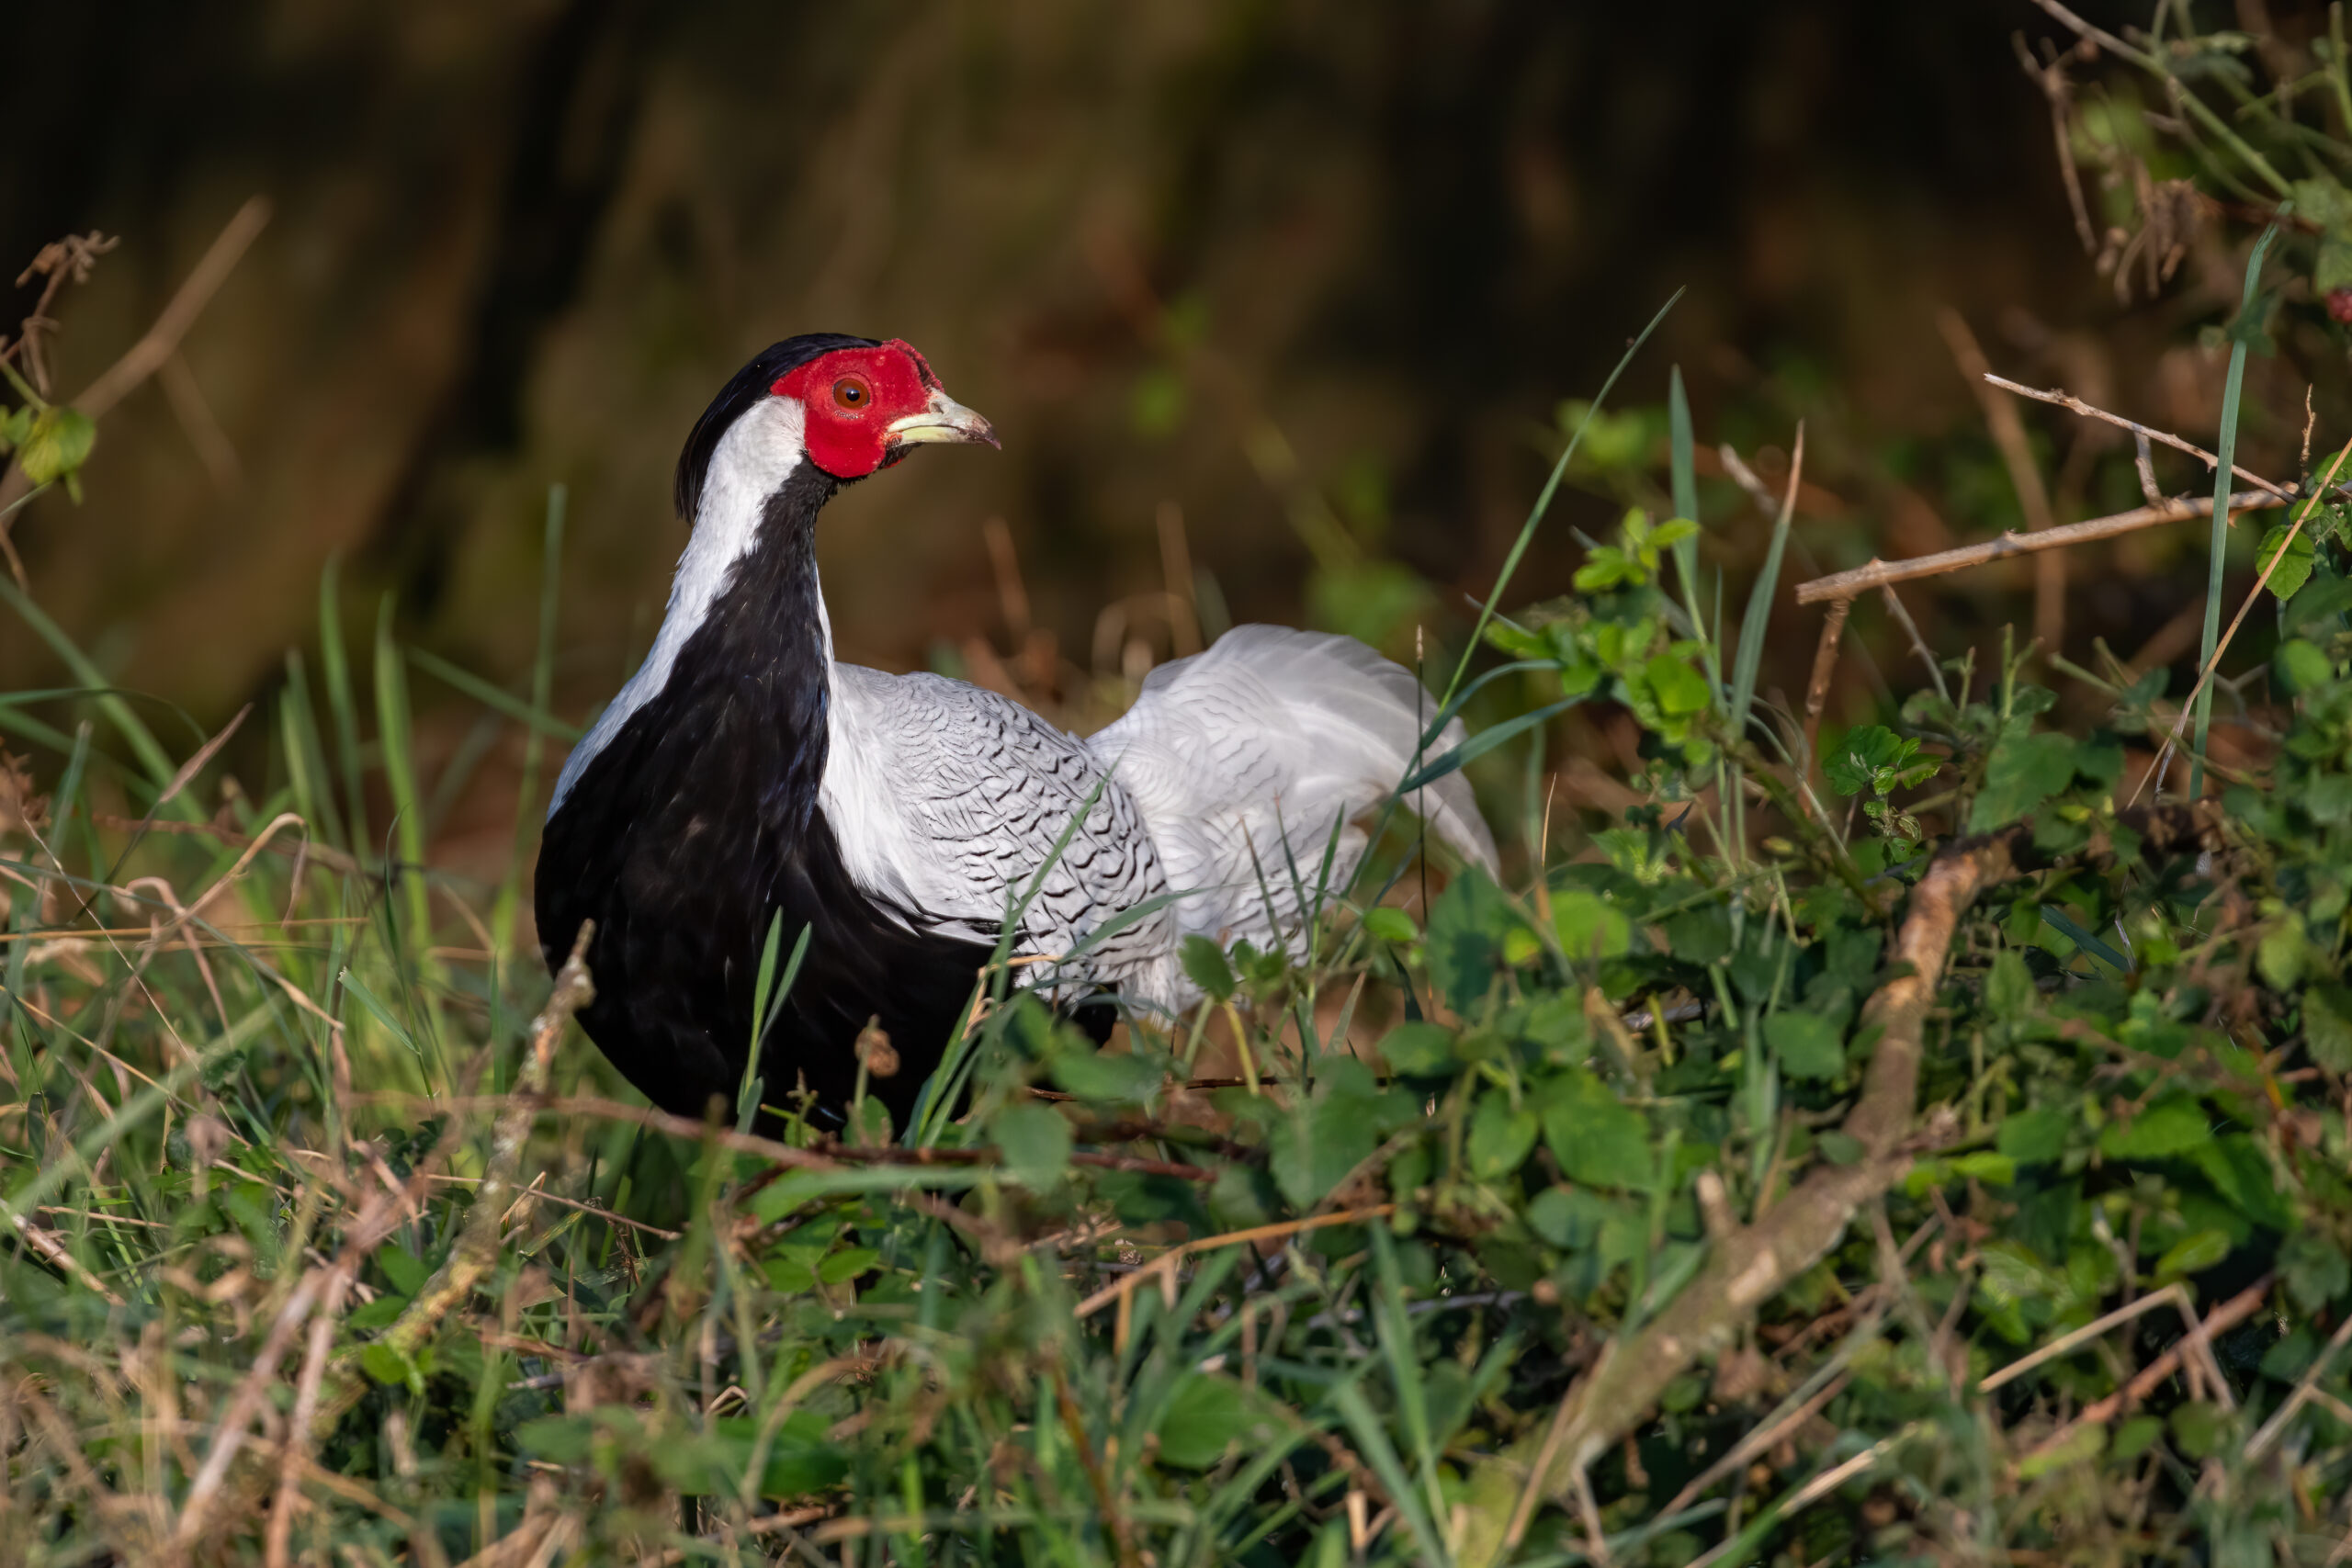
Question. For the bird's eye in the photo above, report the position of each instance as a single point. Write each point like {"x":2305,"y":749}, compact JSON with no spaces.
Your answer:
{"x":851,"y":392}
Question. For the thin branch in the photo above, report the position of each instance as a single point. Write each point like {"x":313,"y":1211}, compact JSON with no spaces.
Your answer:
{"x":1824,"y":665}
{"x":1878,"y":574}
{"x":2171,"y":1295}
{"x":2221,"y":1320}
{"x":2074,"y":404}
{"x":1919,"y":644}
{"x":163,"y":340}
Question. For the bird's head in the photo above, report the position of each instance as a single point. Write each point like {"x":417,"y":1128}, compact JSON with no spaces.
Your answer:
{"x":854,"y":405}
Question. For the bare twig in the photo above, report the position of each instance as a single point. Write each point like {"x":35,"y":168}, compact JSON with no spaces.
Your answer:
{"x":2221,"y":1320}
{"x":2304,"y":1387}
{"x":163,"y":340}
{"x":2068,"y":400}
{"x":1824,"y":664}
{"x":2171,"y":1295}
{"x":1163,"y":1266}
{"x":1919,"y":644}
{"x":2052,"y":79}
{"x":1878,"y":574}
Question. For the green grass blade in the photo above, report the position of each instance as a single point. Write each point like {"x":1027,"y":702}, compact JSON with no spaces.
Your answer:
{"x":1543,"y":500}
{"x":526,"y":804}
{"x":768,"y":994}
{"x":539,"y":723}
{"x":1480,"y":744}
{"x":1683,"y":476}
{"x":135,"y":734}
{"x":1760,"y":607}
{"x":298,"y":724}
{"x":334,"y":668}
{"x":1372,"y":1441}
{"x":393,"y":729}
{"x":2224,"y":456}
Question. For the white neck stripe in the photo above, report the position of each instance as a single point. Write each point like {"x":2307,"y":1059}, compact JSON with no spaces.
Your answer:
{"x":749,"y":464}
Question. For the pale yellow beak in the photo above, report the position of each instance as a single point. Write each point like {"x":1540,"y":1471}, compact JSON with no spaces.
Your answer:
{"x":944,"y":419}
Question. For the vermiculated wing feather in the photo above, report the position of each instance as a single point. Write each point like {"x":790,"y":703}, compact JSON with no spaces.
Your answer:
{"x":947,"y":800}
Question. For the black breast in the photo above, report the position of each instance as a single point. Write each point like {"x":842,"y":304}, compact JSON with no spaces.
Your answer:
{"x":697,"y":825}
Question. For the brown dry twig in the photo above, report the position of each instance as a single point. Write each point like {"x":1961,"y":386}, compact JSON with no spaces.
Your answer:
{"x":64,"y":260}
{"x":2072,"y":404}
{"x":2221,"y":1320}
{"x":1878,"y":573}
{"x":158,"y":344}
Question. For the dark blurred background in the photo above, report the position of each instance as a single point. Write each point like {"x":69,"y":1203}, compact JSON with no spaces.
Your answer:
{"x":1300,"y":282}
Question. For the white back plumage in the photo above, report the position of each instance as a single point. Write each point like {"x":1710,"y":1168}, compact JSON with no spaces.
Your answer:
{"x":1242,"y":760}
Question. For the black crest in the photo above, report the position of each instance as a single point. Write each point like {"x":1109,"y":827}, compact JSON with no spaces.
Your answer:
{"x":747,"y":387}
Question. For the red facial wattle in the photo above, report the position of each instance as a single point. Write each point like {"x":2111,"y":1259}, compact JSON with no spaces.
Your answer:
{"x":852,"y":397}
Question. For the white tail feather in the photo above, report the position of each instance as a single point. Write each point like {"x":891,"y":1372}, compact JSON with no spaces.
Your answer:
{"x":1245,"y":758}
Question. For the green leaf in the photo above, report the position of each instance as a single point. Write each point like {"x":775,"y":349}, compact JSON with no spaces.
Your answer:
{"x":1204,"y":965}
{"x":1588,"y":926}
{"x":1035,"y":1141}
{"x":2085,"y":1443}
{"x":1998,"y":1170}
{"x":791,"y":1275}
{"x":57,"y":445}
{"x":2294,"y":567}
{"x":1208,"y":1413}
{"x":2327,"y":1026}
{"x":2024,"y":771}
{"x":1839,"y":1148}
{"x":1418,"y":1050}
{"x":1500,"y":1136}
{"x":1116,"y":1077}
{"x":1598,"y":1138}
{"x":1678,"y":687}
{"x":381,"y":1313}
{"x":1809,"y":1045}
{"x":405,"y":1268}
{"x":2035,"y":1136}
{"x":849,"y":1262}
{"x":2198,"y":1428}
{"x":2315,"y":1270}
{"x":386,"y":1365}
{"x":2193,"y":1254}
{"x":1391,"y":925}
{"x":2302,"y":666}
{"x":2009,"y":990}
{"x":2283,"y":953}
{"x":1315,"y":1148}
{"x":561,"y":1440}
{"x":1466,"y":929}
{"x":2168,"y":1128}
{"x":2132,"y":1439}
{"x":1858,"y":759}
{"x":2241,"y":1172}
